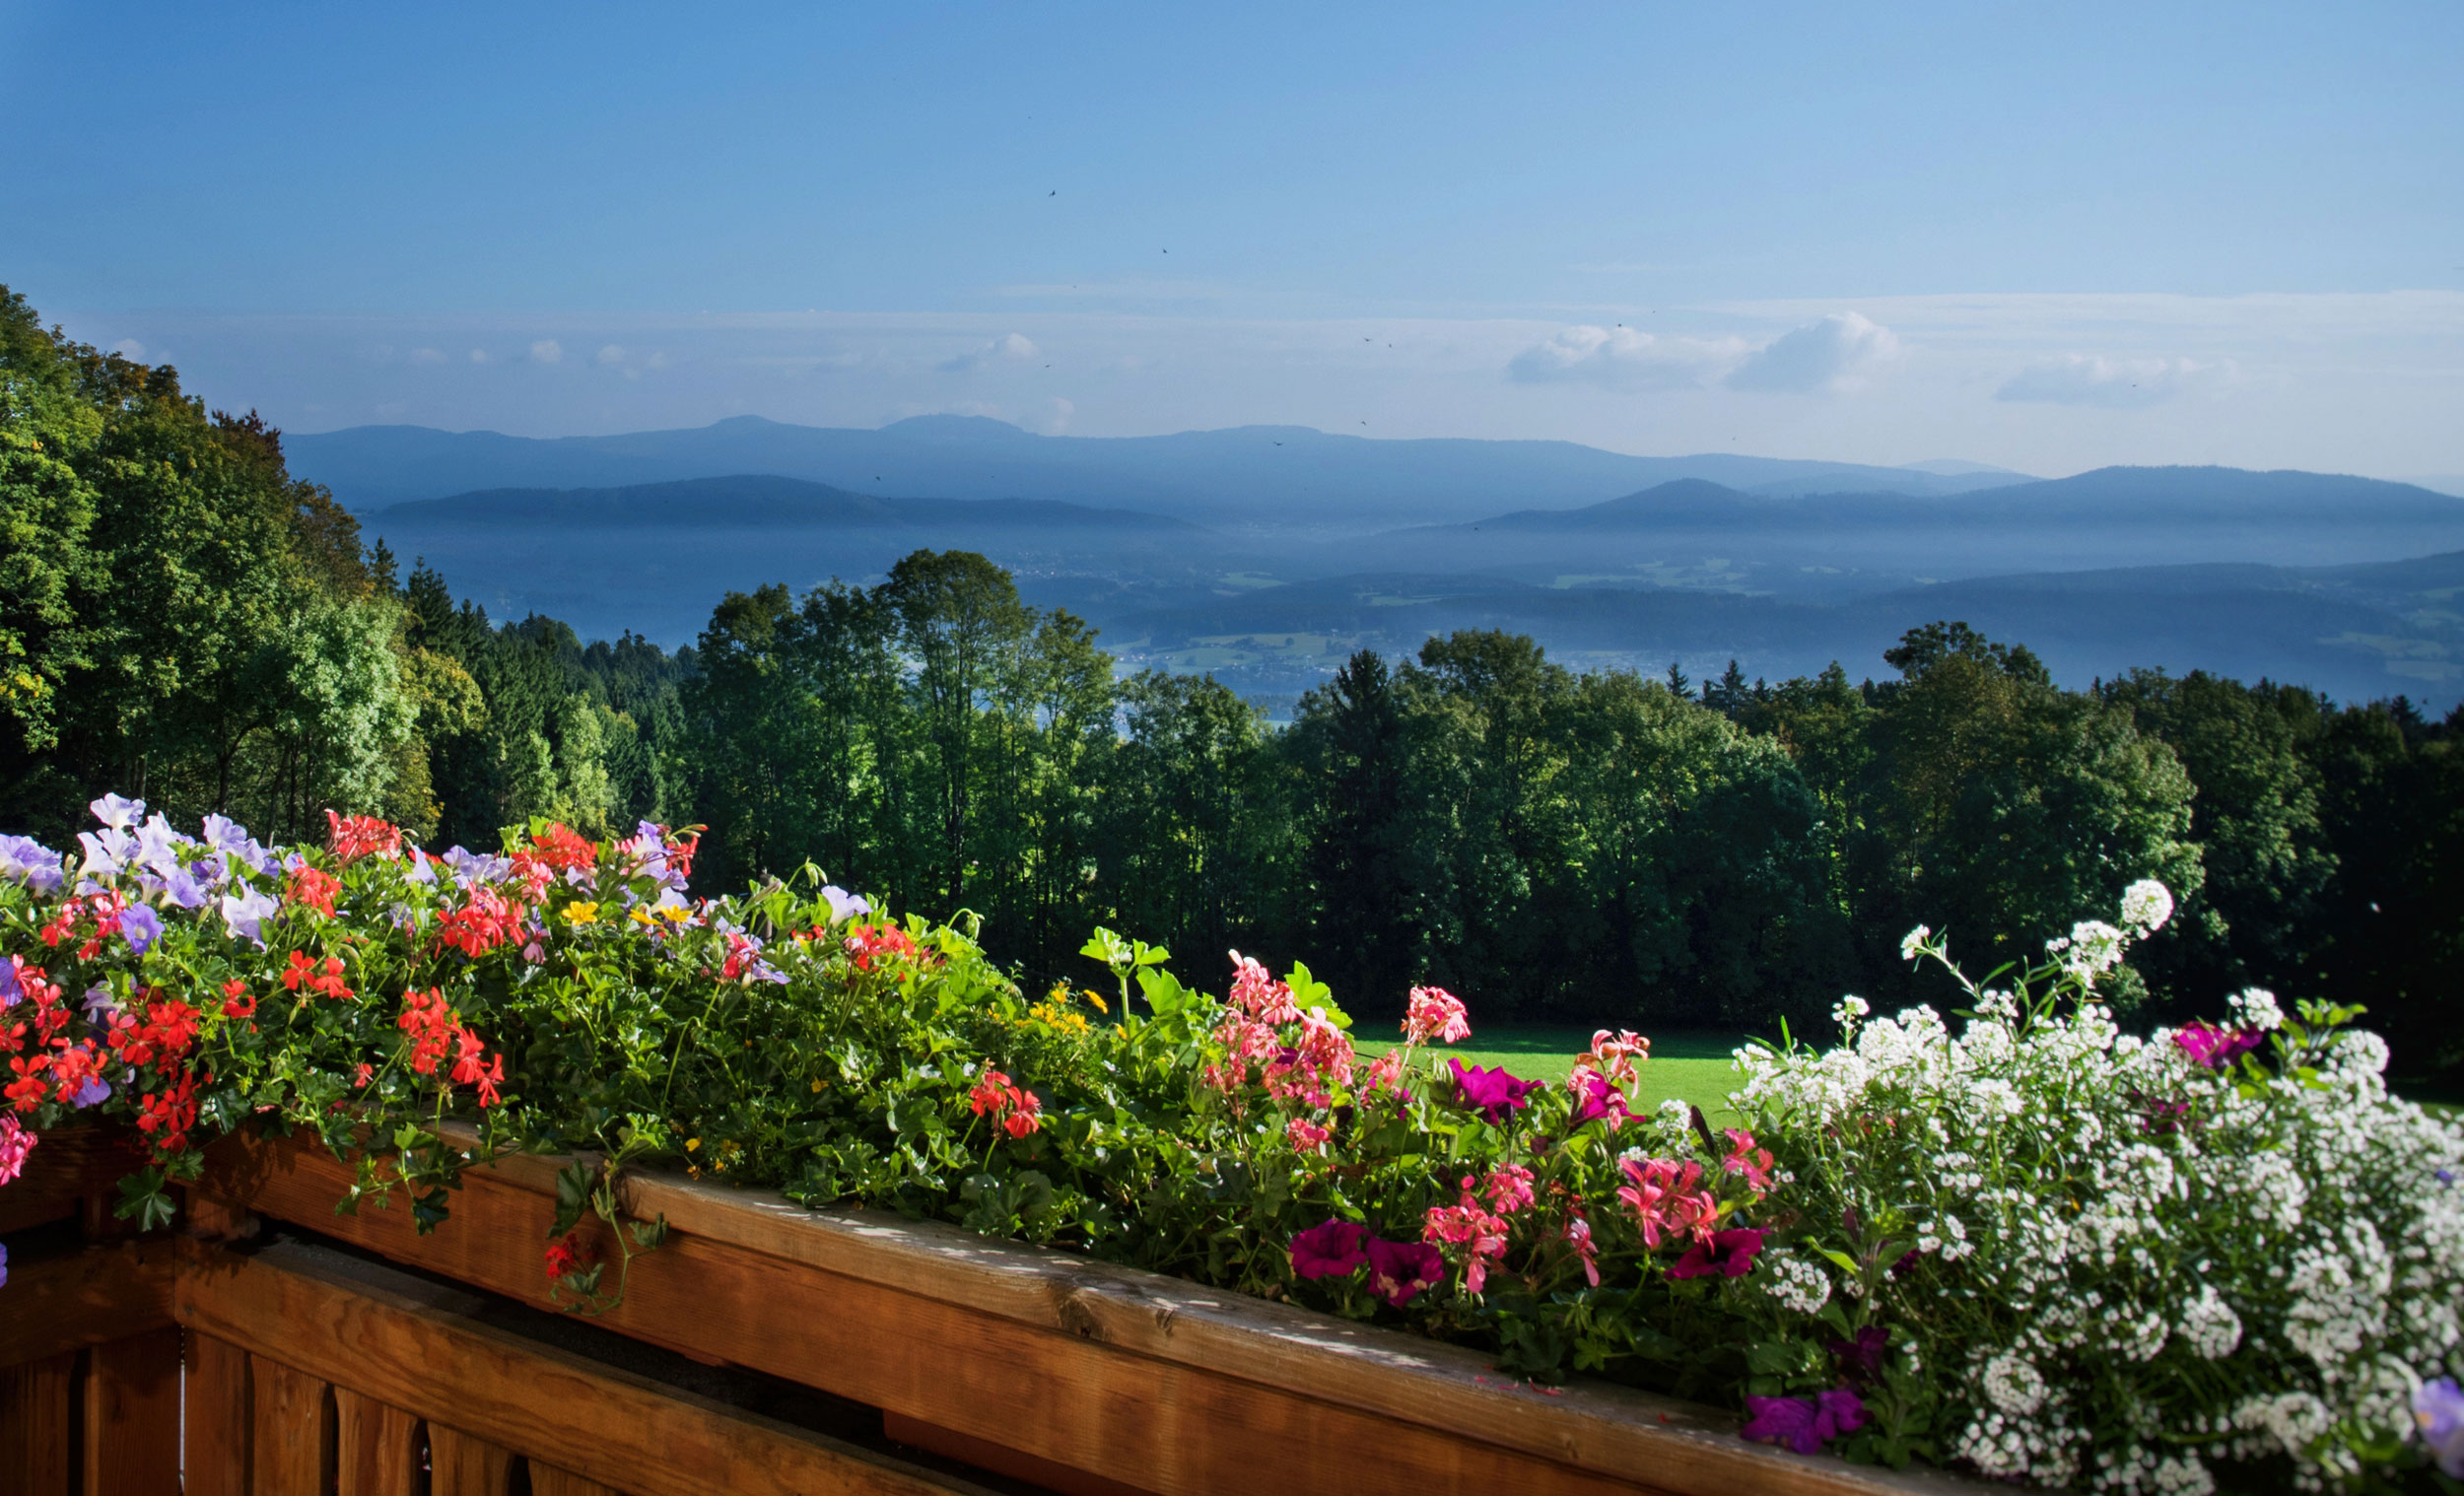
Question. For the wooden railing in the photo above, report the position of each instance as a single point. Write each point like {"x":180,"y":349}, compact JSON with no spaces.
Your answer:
{"x":862,"y":1352}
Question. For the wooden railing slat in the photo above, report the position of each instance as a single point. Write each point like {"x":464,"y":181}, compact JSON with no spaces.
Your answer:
{"x":217,"y":1423}
{"x":292,"y":1446}
{"x":132,"y":1415}
{"x":464,"y":1465}
{"x":415,"y":1347}
{"x":375,"y":1446}
{"x":35,"y":1443}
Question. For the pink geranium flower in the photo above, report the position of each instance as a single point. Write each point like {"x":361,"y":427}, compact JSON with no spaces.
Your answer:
{"x":1435,"y":1013}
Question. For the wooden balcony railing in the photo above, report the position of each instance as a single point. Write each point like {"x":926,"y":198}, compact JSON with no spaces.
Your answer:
{"x":764,"y":1348}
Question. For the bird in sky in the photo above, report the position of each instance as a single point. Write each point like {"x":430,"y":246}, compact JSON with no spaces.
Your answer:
{"x":1056,"y":192}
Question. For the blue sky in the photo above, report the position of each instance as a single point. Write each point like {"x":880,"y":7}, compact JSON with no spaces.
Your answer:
{"x":2046,"y":236}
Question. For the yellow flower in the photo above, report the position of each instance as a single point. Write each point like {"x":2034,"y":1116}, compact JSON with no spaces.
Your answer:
{"x":640,"y":917}
{"x":578,"y":913}
{"x":692,"y":1143}
{"x":1096,"y":1002}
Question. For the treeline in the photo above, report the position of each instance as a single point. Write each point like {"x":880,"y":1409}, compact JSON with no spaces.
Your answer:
{"x":180,"y":620}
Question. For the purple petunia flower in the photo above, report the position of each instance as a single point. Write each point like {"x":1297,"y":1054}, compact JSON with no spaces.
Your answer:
{"x":1494,"y":1094}
{"x":141,"y":927}
{"x":181,"y":888}
{"x":94,"y":1092}
{"x":3,"y":1264}
{"x":1731,"y":1254}
{"x":2439,"y":1407}
{"x":1804,"y":1424}
{"x":1329,"y":1250}
{"x":31,"y":863}
{"x":1399,"y":1271}
{"x":10,"y":990}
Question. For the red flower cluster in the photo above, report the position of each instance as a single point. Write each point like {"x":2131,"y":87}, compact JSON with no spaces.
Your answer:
{"x":437,"y":1036}
{"x":314,"y":889}
{"x":305,"y":973}
{"x":566,"y":1257}
{"x":488,"y":921}
{"x":237,"y":1002}
{"x":1014,"y":1107}
{"x":560,"y":846}
{"x":351,"y":838}
{"x":103,"y":907}
{"x":867,"y":944}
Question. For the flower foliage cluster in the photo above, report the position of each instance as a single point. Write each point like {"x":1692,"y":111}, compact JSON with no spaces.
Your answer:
{"x":2040,"y":1247}
{"x":2060,"y":1252}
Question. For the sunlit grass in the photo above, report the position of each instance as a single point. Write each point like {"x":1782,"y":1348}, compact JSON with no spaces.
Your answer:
{"x":1692,"y":1067}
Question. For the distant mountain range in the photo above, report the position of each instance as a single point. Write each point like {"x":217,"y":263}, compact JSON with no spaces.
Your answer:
{"x":1246,"y":476}
{"x":754,"y":500}
{"x":1267,"y":563}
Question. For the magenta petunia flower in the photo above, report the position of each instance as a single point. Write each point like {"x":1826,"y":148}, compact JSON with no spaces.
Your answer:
{"x":1329,"y":1250}
{"x":1399,"y":1271}
{"x":2210,"y":1048}
{"x":1862,"y":1358}
{"x":1494,"y":1094}
{"x":1731,"y":1254}
{"x":1594,"y":1097}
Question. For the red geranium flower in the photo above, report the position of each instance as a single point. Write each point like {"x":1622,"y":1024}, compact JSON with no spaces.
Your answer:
{"x":352,"y":837}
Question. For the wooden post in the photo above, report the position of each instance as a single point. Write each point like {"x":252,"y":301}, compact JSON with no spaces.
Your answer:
{"x":463,"y":1465}
{"x":216,"y":1461}
{"x":34,"y":1441}
{"x":133,"y":1417}
{"x":292,"y":1444}
{"x":376,"y":1447}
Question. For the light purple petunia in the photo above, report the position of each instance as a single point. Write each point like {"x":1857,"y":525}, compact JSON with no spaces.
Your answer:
{"x":31,"y":863}
{"x":246,"y":914}
{"x":116,"y":812}
{"x":845,"y":906}
{"x":2439,"y":1407}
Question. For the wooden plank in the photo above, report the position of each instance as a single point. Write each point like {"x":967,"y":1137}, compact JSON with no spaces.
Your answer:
{"x":1160,"y":1426}
{"x":464,"y":1465}
{"x":417,"y":1346}
{"x":547,"y":1481}
{"x":34,"y":1424}
{"x":292,"y":1444}
{"x":67,"y":1165}
{"x":1001,"y":1460}
{"x":375,"y":1446}
{"x":84,"y":1297}
{"x":1138,"y":1377}
{"x":216,"y":1425}
{"x":133,"y":1417}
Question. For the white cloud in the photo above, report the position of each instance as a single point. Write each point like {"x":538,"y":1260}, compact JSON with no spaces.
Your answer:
{"x":1832,"y":354}
{"x":1621,"y":358}
{"x":130,"y":349}
{"x":2113,"y":383}
{"x":1056,"y":416}
{"x":611,"y":354}
{"x":546,"y":351}
{"x":479,"y":355}
{"x":426,"y":355}
{"x":1009,"y":346}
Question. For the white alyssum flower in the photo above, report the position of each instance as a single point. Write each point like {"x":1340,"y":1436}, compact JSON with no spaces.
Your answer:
{"x":1912,"y":944}
{"x":1802,"y":1285}
{"x":2255,"y":1008}
{"x":2147,"y":905}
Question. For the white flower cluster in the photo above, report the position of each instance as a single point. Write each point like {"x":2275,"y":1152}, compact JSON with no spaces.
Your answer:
{"x":1800,"y":1284}
{"x":2135,"y":1270}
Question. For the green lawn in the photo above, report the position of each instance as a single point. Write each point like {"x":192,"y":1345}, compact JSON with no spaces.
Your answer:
{"x":1690,"y":1066}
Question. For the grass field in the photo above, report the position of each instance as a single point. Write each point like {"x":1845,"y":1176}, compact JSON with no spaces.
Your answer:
{"x":1692,"y":1066}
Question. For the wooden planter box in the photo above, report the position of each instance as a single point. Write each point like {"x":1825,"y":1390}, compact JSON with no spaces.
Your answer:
{"x":1034,"y":1364}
